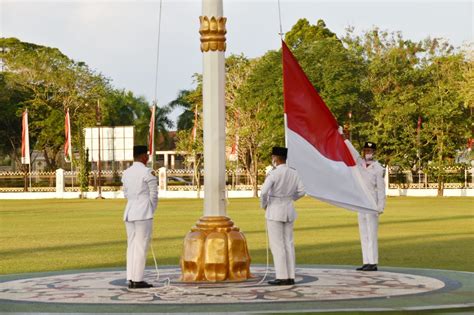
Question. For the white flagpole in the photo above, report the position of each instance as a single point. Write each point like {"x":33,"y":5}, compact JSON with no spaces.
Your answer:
{"x":151,"y":135}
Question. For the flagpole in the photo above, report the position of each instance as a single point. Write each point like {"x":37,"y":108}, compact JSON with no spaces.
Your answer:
{"x":214,"y":250}
{"x":155,"y":95}
{"x":279,"y":16}
{"x":281,"y":37}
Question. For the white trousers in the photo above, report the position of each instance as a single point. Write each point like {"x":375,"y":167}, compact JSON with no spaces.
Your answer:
{"x":282,"y":245}
{"x":368,"y":230}
{"x":139,"y":235}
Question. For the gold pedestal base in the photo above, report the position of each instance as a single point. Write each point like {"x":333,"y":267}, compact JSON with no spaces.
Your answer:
{"x":215,"y":250}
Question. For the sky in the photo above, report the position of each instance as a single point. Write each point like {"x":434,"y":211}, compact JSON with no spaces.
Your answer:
{"x":119,"y":38}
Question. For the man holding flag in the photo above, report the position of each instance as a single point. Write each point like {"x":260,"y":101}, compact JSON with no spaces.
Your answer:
{"x":330,"y":168}
{"x":373,"y":175}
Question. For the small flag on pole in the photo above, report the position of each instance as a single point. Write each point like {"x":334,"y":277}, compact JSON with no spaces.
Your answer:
{"x":194,"y":132}
{"x":67,"y":143}
{"x":151,"y":134}
{"x":25,"y":139}
{"x":234,"y":153}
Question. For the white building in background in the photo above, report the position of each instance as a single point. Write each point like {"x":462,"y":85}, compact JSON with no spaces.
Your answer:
{"x":170,"y":159}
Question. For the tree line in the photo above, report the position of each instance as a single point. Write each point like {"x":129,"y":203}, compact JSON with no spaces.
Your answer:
{"x":47,"y":83}
{"x":414,"y":99}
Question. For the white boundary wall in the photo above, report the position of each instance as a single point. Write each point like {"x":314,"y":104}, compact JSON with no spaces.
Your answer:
{"x":430,"y":192}
{"x":230,"y":194}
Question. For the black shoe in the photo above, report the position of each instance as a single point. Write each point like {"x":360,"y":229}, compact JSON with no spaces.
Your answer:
{"x":362,"y":268}
{"x":291,"y":281}
{"x":139,"y":285}
{"x":279,"y":282}
{"x":370,"y":268}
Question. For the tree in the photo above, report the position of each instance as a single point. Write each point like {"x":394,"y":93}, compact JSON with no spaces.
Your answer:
{"x":186,"y":118}
{"x":303,"y":33}
{"x":190,"y":128}
{"x":258,"y":108}
{"x":47,"y":82}
{"x":392,"y":84}
{"x":448,"y":119}
{"x":11,"y":98}
{"x":54,"y":83}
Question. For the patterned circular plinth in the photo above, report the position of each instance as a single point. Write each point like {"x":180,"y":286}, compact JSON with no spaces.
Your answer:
{"x":322,"y":284}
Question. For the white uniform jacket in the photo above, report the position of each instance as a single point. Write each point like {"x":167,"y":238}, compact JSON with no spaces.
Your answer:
{"x":372,"y":175}
{"x":281,"y":187}
{"x":140,"y":187}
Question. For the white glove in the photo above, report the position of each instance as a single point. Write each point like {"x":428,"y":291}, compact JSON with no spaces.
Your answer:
{"x":340,"y":130}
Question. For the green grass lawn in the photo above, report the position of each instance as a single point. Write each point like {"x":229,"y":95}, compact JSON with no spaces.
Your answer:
{"x":46,"y":235}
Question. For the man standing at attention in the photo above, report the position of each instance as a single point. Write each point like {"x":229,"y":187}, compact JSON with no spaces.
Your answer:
{"x":140,"y":188}
{"x":281,"y":187}
{"x":373,"y":177}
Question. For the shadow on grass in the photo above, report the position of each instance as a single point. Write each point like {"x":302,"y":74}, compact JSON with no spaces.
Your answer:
{"x":382,"y":222}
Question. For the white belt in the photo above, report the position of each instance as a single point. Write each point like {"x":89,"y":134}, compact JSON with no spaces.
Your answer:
{"x":284,"y":198}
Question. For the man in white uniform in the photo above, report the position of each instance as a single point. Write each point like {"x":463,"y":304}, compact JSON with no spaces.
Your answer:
{"x":141,"y":189}
{"x":373,"y":176}
{"x":281,"y":187}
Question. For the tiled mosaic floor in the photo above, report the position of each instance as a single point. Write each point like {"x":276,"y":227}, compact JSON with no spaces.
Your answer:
{"x":336,"y":286}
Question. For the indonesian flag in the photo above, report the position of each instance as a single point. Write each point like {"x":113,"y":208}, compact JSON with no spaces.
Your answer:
{"x":67,"y":142}
{"x":151,"y":133}
{"x":25,"y":139}
{"x":315,"y":147}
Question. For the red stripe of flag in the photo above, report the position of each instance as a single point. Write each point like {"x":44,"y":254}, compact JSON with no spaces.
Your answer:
{"x":308,"y":115}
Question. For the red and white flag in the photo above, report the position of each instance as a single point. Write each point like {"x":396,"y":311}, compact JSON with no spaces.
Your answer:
{"x":67,"y":142}
{"x":315,"y":147}
{"x":151,"y":133}
{"x":25,"y":139}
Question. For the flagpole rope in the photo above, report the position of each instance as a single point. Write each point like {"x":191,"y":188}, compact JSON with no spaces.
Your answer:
{"x":155,"y":103}
{"x":157,"y":55}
